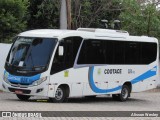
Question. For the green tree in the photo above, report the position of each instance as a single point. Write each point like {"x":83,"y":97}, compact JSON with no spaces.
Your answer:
{"x":44,"y":14}
{"x":89,"y":13}
{"x":13,"y":16}
{"x":85,"y":13}
{"x":33,"y":21}
{"x":140,"y":19}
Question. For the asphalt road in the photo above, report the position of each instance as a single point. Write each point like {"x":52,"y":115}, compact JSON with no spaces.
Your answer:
{"x":145,"y":101}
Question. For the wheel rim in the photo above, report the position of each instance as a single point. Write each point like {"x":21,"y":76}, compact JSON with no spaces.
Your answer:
{"x":124,"y":93}
{"x":59,"y":94}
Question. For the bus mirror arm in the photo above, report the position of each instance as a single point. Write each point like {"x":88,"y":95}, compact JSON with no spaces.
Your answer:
{"x":60,"y":50}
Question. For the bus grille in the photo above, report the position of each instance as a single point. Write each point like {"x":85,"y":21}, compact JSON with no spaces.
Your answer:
{"x":24,"y":91}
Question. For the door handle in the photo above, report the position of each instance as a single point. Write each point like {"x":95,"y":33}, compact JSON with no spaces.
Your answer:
{"x":79,"y":83}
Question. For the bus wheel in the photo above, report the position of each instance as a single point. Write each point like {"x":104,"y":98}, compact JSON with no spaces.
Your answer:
{"x":125,"y":92}
{"x":23,"y":97}
{"x":60,"y":95}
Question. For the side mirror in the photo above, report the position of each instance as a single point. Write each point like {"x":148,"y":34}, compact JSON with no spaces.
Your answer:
{"x":60,"y":50}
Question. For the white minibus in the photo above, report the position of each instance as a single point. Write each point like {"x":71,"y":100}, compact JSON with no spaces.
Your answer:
{"x":61,"y":64}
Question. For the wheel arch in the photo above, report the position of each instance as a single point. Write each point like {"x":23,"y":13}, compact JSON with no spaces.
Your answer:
{"x":66,"y":87}
{"x":129,"y":84}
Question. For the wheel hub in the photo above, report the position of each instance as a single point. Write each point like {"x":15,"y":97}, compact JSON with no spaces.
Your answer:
{"x":124,"y":93}
{"x":59,"y":94}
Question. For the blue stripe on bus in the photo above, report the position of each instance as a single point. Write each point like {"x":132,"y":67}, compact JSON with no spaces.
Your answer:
{"x":21,"y":79}
{"x":142,"y":77}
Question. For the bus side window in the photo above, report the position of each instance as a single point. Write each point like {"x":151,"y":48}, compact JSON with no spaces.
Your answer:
{"x":149,"y":53}
{"x":92,"y":52}
{"x":95,"y":52}
{"x":109,"y":51}
{"x":71,"y":46}
{"x":119,"y":52}
{"x":132,"y":53}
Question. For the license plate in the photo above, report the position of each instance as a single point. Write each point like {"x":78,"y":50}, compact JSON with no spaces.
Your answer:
{"x":18,"y":92}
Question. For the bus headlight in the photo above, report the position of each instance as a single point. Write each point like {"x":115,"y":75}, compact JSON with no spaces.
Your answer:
{"x":38,"y":82}
{"x":5,"y":78}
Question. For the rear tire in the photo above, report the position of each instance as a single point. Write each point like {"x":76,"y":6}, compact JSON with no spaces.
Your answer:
{"x":123,"y":96}
{"x":60,"y":95}
{"x":125,"y":92}
{"x":23,"y":97}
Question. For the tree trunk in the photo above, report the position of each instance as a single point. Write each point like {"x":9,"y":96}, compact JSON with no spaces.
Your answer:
{"x":68,"y":2}
{"x":63,"y":15}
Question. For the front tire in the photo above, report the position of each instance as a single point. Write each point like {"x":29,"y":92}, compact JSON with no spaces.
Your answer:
{"x":23,"y":97}
{"x":60,"y":95}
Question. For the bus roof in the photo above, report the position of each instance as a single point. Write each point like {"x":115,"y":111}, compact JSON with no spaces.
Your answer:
{"x":87,"y":33}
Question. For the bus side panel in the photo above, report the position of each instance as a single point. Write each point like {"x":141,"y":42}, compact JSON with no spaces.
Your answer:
{"x":147,"y":79}
{"x":142,"y":77}
{"x":74,"y":78}
{"x":105,"y":79}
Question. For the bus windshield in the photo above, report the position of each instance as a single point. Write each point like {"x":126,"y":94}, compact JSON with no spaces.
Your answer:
{"x":30,"y":54}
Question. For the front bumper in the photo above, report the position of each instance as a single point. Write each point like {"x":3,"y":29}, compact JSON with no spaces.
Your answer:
{"x":39,"y":90}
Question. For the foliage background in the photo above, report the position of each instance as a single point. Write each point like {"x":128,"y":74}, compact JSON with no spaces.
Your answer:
{"x":138,"y":17}
{"x":13,"y":18}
